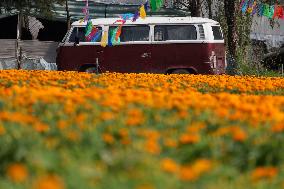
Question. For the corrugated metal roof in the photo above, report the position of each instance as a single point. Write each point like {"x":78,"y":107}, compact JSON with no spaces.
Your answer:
{"x":100,"y":10}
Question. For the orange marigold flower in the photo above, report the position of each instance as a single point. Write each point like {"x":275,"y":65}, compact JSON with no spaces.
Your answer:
{"x":17,"y":172}
{"x":108,"y":138}
{"x":135,"y":117}
{"x":62,"y":124}
{"x":264,"y":173}
{"x":49,"y":182}
{"x":186,"y":173}
{"x":123,"y":132}
{"x":152,"y":146}
{"x":2,"y":130}
{"x":189,"y":138}
{"x":41,"y":127}
{"x":105,"y":116}
{"x":202,"y":166}
{"x":170,"y":143}
{"x":125,"y":141}
{"x":194,"y":171}
{"x":278,"y":128}
{"x":195,"y":127}
{"x":169,"y":165}
{"x":239,"y":135}
{"x":145,"y":186}
{"x":73,"y":136}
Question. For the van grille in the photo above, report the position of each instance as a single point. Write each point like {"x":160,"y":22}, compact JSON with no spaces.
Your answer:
{"x":201,"y":32}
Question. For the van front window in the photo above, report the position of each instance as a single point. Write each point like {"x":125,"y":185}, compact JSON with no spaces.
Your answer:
{"x":80,"y":33}
{"x":132,"y":33}
{"x":175,"y":32}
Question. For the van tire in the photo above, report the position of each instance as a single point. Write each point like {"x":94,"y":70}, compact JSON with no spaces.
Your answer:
{"x":90,"y":69}
{"x":180,"y":71}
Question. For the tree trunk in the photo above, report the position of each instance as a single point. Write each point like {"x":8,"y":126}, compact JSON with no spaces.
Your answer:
{"x":68,"y":17}
{"x":195,"y":8}
{"x":230,"y":13}
{"x":209,"y":6}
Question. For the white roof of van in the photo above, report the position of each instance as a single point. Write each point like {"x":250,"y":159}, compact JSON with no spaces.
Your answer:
{"x":150,"y":20}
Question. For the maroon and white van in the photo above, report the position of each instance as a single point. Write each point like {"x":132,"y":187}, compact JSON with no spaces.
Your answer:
{"x":152,"y":45}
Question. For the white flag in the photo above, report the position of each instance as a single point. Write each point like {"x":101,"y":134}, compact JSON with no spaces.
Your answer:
{"x":34,"y":26}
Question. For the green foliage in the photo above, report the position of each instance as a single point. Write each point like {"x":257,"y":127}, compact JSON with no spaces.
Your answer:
{"x":42,"y":7}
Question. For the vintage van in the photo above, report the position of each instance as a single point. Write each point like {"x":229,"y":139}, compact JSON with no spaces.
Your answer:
{"x":152,"y":45}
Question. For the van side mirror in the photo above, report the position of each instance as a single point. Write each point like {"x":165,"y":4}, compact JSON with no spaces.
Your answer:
{"x":77,"y":41}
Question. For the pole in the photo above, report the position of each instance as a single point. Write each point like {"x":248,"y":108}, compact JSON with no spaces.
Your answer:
{"x":105,"y":10}
{"x":19,"y":31}
{"x":68,"y":18}
{"x":282,"y":69}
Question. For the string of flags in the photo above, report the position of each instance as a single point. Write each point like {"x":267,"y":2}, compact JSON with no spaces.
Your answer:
{"x":114,"y":35}
{"x":94,"y":34}
{"x":252,"y":7}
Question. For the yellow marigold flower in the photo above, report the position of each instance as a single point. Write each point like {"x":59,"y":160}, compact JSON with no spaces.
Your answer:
{"x":264,"y":173}
{"x":49,"y":182}
{"x":17,"y":172}
{"x":169,"y":165}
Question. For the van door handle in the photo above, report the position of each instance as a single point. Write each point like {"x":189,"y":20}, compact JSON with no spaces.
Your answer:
{"x":146,"y":55}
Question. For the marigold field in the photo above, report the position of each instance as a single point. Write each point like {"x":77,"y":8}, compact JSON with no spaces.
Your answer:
{"x":69,"y":130}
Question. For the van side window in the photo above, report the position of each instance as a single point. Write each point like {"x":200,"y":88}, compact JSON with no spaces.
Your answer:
{"x":133,"y":33}
{"x":217,"y":33}
{"x":175,"y":32}
{"x":201,"y":32}
{"x":80,"y":32}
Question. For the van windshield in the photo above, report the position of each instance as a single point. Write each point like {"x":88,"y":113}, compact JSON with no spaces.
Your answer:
{"x":217,"y":33}
{"x":80,"y":32}
{"x":175,"y":32}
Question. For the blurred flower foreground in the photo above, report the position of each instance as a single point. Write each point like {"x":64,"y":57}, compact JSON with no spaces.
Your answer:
{"x":61,"y":130}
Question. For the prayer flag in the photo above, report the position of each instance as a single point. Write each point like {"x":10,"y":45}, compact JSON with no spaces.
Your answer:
{"x":104,"y":39}
{"x":142,"y":12}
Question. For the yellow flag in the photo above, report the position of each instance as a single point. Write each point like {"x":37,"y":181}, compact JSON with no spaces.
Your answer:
{"x":142,"y":12}
{"x":104,"y":39}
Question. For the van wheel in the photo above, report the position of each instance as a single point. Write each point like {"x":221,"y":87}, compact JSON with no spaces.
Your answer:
{"x":91,"y":70}
{"x":180,"y":71}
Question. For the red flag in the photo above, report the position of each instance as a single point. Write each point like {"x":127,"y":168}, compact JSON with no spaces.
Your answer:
{"x":279,"y":12}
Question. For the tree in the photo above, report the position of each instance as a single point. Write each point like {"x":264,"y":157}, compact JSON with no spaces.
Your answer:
{"x":192,"y":6}
{"x":230,"y":9}
{"x":30,"y":7}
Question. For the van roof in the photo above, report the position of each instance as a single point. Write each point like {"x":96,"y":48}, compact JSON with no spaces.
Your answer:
{"x":150,"y":20}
